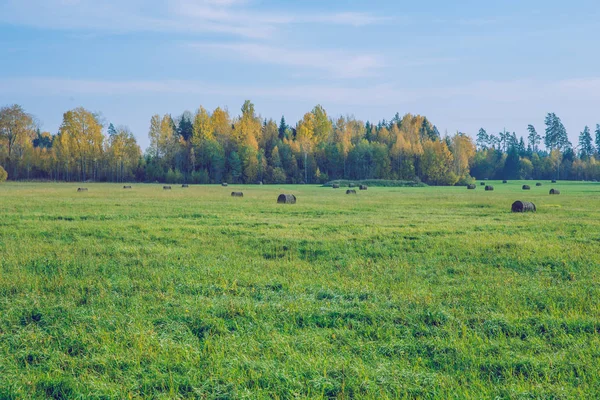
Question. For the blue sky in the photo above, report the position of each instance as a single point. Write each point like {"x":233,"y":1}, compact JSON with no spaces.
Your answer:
{"x":464,"y":64}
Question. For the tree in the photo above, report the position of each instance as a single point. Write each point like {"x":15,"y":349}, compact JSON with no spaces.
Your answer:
{"x":483,"y":139}
{"x":202,"y":128}
{"x":185,"y":126}
{"x":556,"y":134}
{"x":598,"y":139}
{"x":17,"y":129}
{"x":463,"y":151}
{"x":282,"y":128}
{"x":438,"y":163}
{"x":586,"y":146}
{"x":3,"y":174}
{"x":534,"y":139}
{"x":83,"y":132}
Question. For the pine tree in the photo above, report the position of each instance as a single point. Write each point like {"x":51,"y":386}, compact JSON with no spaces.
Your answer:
{"x":111,"y":130}
{"x":483,"y":139}
{"x":586,"y":147}
{"x":533,"y":139}
{"x":598,"y":138}
{"x":282,"y":128}
{"x":556,"y":134}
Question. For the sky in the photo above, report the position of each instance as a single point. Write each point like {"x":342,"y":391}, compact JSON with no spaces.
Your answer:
{"x":464,"y":64}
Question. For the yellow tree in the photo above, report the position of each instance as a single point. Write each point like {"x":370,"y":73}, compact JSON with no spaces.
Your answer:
{"x":83,"y":131}
{"x":322,"y":125}
{"x":203,"y":127}
{"x":437,"y":163}
{"x":248,"y":127}
{"x":463,"y":151}
{"x":17,"y":130}
{"x":247,"y":133}
{"x":221,"y":124}
{"x":305,"y":137}
{"x":154,"y":135}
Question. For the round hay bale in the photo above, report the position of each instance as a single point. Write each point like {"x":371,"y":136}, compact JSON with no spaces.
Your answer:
{"x":489,"y":188}
{"x":553,"y":180}
{"x":237,"y":194}
{"x":185,"y":185}
{"x":224,"y":184}
{"x":471,"y":187}
{"x":126,"y":187}
{"x":363,"y":187}
{"x":538,"y":184}
{"x":482,"y":184}
{"x":350,"y":191}
{"x":82,"y":189}
{"x":335,"y":186}
{"x":523,"y":206}
{"x":504,"y":181}
{"x":166,"y":187}
{"x":554,"y":191}
{"x":286,"y":199}
{"x":526,"y":187}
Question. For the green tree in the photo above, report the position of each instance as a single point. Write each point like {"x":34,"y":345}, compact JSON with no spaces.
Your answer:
{"x":586,"y":146}
{"x":483,"y":139}
{"x":534,"y":139}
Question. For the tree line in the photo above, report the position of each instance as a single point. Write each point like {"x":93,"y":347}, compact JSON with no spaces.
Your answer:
{"x":214,"y":147}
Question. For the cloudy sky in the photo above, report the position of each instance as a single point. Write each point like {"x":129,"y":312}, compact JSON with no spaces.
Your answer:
{"x":465,"y":64}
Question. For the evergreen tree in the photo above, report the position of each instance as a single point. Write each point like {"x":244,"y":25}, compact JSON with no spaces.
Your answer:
{"x":586,"y":147}
{"x":235,"y":166}
{"x":111,"y":130}
{"x":556,"y":134}
{"x":521,"y":147}
{"x":533,"y":139}
{"x":282,"y":128}
{"x":483,"y":139}
{"x":185,"y":127}
{"x":512,"y":164}
{"x":598,"y":138}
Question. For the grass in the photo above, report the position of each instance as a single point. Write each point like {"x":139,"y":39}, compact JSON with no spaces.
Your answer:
{"x":393,"y":293}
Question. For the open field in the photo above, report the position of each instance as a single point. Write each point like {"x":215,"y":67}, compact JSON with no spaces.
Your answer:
{"x":392,"y":293}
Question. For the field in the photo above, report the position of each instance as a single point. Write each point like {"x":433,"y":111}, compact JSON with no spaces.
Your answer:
{"x":392,"y":293}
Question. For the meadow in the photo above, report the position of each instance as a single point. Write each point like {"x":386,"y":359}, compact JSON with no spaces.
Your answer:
{"x":427,"y":292}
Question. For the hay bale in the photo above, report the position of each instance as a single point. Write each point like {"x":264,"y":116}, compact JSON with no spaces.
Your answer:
{"x":185,"y":185}
{"x":553,"y":180}
{"x":351,"y":185}
{"x":237,"y":194}
{"x":489,"y":188}
{"x":538,"y":184}
{"x":286,"y":199}
{"x":82,"y":189}
{"x":504,"y":181}
{"x":523,"y":206}
{"x":526,"y":187}
{"x":224,"y":184}
{"x":335,"y":186}
{"x":350,"y":191}
{"x":166,"y":187}
{"x":363,"y":187}
{"x":482,"y":184}
{"x":471,"y":187}
{"x":554,"y":191}
{"x":126,"y":187}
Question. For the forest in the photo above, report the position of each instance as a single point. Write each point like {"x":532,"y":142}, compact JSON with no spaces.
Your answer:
{"x":213,"y":147}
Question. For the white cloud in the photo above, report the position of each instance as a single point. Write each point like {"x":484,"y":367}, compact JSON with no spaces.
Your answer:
{"x":335,"y":63}
{"x":234,"y":17}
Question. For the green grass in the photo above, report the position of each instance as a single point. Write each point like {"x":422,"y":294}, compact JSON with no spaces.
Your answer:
{"x":392,"y":293}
